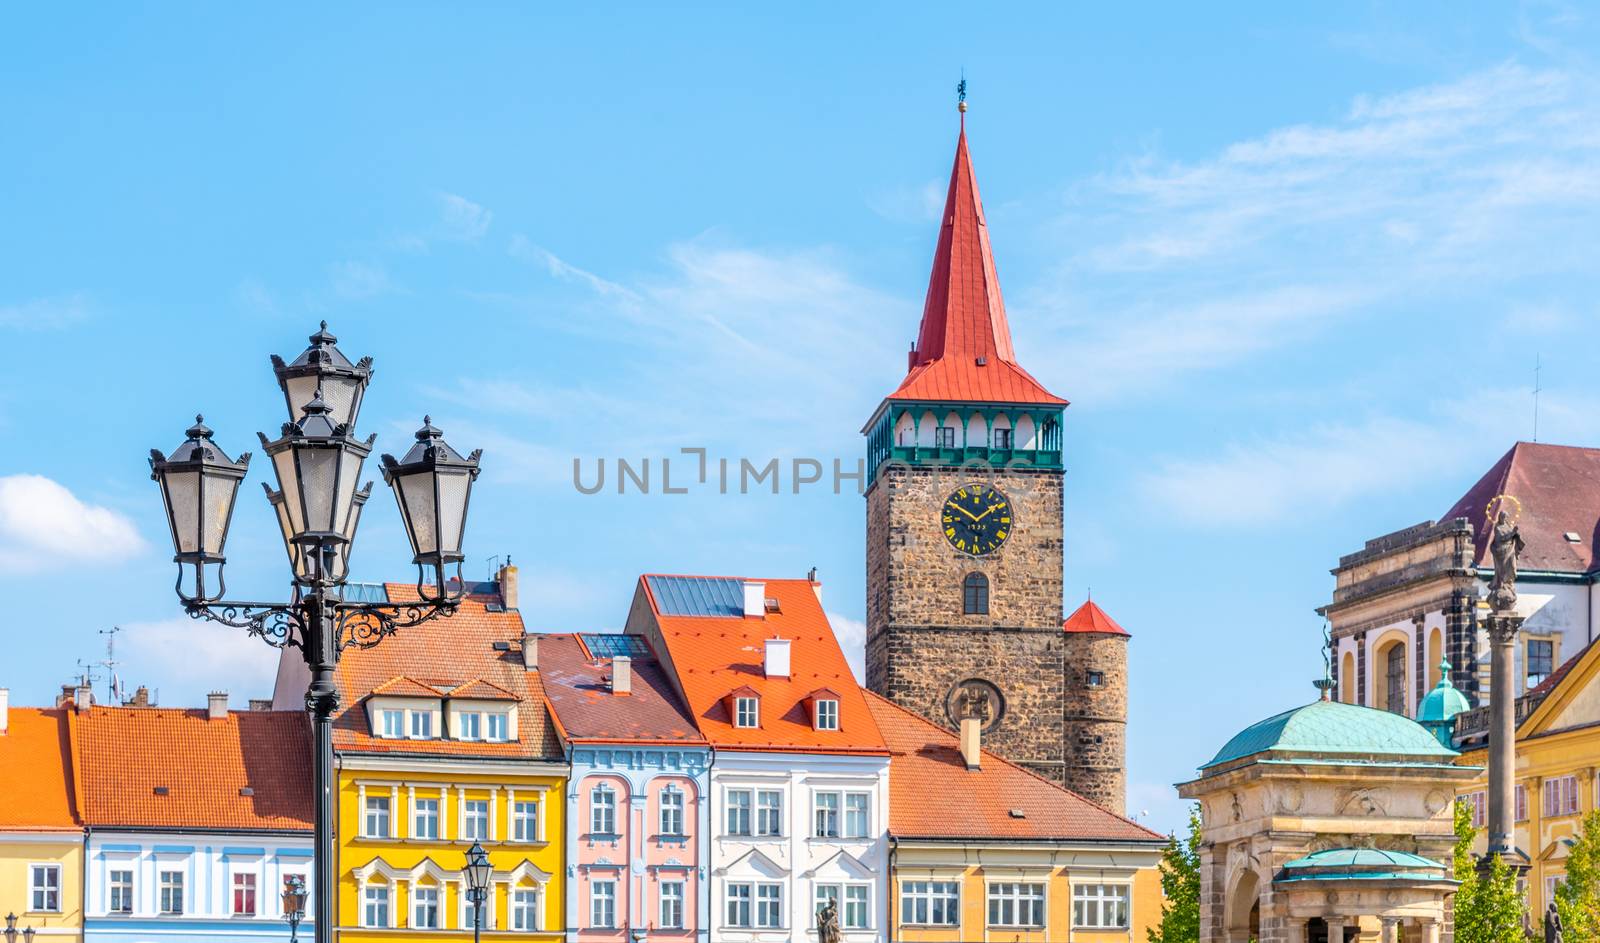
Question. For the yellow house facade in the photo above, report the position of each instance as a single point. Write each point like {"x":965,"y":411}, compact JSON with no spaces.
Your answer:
{"x":41,"y":834}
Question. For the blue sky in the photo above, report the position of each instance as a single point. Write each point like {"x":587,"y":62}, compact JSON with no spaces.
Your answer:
{"x":1292,"y":267}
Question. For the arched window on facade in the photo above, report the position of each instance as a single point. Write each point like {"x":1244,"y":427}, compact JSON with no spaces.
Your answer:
{"x":1347,"y":677}
{"x":1394,"y":678}
{"x":975,"y":595}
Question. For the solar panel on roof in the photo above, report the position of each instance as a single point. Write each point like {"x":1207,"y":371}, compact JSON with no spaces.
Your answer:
{"x":697,"y":595}
{"x":612,"y":645}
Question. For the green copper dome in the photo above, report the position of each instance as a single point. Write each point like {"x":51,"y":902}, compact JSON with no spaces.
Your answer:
{"x":1332,"y":727}
{"x":1444,"y":701}
{"x":1363,"y":864}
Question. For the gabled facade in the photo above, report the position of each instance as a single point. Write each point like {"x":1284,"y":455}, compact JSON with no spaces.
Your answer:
{"x":798,"y":814}
{"x":41,"y":826}
{"x":637,"y":799}
{"x":194,"y":820}
{"x":443,"y":738}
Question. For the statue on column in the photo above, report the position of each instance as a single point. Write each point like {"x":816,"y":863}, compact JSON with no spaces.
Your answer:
{"x":1552,"y":924}
{"x":1505,"y":544}
{"x":828,"y":922}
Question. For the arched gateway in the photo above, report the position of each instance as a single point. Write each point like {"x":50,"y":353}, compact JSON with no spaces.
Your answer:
{"x":1325,"y":822}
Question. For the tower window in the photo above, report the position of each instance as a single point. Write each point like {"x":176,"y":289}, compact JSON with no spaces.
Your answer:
{"x":1002,"y":438}
{"x":1094,"y":679}
{"x":975,"y":595}
{"x":945,"y":437}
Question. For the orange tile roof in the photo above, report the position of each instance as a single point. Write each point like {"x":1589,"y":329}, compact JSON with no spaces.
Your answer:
{"x":125,"y":754}
{"x":407,"y":687}
{"x":446,"y":654}
{"x":932,"y":794}
{"x":1091,"y":618}
{"x":715,"y":654}
{"x":579,"y":688}
{"x":36,"y":774}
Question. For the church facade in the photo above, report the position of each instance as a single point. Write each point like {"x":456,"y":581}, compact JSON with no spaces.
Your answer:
{"x":965,"y":536}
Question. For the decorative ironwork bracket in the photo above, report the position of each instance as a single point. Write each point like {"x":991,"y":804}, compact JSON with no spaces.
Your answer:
{"x":278,"y":625}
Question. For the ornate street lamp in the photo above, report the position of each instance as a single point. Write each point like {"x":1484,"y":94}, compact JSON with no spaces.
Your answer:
{"x":294,"y":904}
{"x":317,"y":461}
{"x":478,"y":873}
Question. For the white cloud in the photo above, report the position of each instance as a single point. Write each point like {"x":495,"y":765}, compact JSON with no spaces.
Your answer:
{"x":42,"y":523}
{"x":44,"y":314}
{"x":852,"y":635}
{"x":462,"y":219}
{"x":524,"y":249}
{"x":213,"y":658}
{"x":359,"y":280}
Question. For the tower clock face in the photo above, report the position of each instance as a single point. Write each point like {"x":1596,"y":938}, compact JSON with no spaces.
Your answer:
{"x":976,"y":519}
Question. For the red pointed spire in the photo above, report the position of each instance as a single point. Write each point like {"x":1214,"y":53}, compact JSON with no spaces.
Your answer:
{"x":963,"y":349}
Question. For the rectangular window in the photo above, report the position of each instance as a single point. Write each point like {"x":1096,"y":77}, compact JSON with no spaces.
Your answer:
{"x":1561,"y":795}
{"x":738,"y":812}
{"x":849,"y":899}
{"x":739,"y":897}
{"x":375,"y":909}
{"x":1552,"y":882}
{"x":769,"y":905}
{"x":44,"y":888}
{"x":1100,"y":906}
{"x":525,"y":909}
{"x":603,"y":904}
{"x":1477,"y":805}
{"x":769,"y":812}
{"x":171,"y":884}
{"x":1541,"y":658}
{"x":827,"y":714}
{"x":525,"y":820}
{"x":1013,"y":904}
{"x":603,"y":811}
{"x":944,"y":437}
{"x":120,"y":884}
{"x":422,"y":725}
{"x":475,"y":820}
{"x":930,"y":903}
{"x":747,"y":712}
{"x":1521,"y":803}
{"x":471,"y":726}
{"x":425,"y":908}
{"x":855,"y":815}
{"x":499,"y":727}
{"x":671,"y":916}
{"x":244,"y":895}
{"x":1002,"y":438}
{"x":425,"y":818}
{"x":394,"y":724}
{"x":671,"y":811}
{"x":1094,"y":679}
{"x":376,"y":822}
{"x":827,"y":815}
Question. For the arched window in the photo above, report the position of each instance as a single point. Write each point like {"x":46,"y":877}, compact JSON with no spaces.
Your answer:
{"x":975,"y":595}
{"x":1394,"y":676}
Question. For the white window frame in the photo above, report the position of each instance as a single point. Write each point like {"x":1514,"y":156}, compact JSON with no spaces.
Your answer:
{"x":670,"y":821}
{"x":1560,"y":796}
{"x":765,"y":901}
{"x":1090,"y":903}
{"x":476,"y":722}
{"x":769,"y":814}
{"x":398,"y":730}
{"x":119,"y":890}
{"x":434,"y":907}
{"x":840,"y":893}
{"x":671,"y":919}
{"x":432,"y":817}
{"x":475,"y":827}
{"x":747,"y":810}
{"x":370,"y":898}
{"x":525,"y":820}
{"x":377,"y":810}
{"x":165,"y":887}
{"x":608,"y":919}
{"x":930,"y":897}
{"x":525,"y":913}
{"x":747,"y":712}
{"x":498,"y":719}
{"x":41,"y":892}
{"x":235,"y":880}
{"x":1014,"y":895}
{"x":822,"y":812}
{"x":827,"y":714}
{"x":739,"y":896}
{"x":847,"y":816}
{"x":602,"y":814}
{"x":421,"y":725}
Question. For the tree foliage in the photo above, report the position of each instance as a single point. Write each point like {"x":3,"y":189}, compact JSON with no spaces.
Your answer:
{"x":1578,"y":895}
{"x":1488,"y":908}
{"x":1180,"y":886}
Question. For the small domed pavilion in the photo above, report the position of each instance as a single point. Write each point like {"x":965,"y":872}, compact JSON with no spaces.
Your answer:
{"x":1326,"y":823}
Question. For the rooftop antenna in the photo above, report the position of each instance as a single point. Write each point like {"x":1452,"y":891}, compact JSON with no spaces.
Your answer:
{"x":494,"y":566}
{"x":961,"y":96}
{"x":114,"y":686}
{"x":1536,"y":390}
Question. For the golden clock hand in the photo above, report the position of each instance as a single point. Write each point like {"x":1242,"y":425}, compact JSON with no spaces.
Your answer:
{"x":965,"y":511}
{"x":985,"y":514}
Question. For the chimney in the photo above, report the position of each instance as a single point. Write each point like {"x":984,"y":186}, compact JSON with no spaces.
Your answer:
{"x":83,"y":697}
{"x":530,"y":651}
{"x":622,"y":675}
{"x":971,"y":741}
{"x":65,"y":697}
{"x":755,"y":599}
{"x":816,"y":584}
{"x":261,"y":704}
{"x":217,"y":705}
{"x":141,"y":697}
{"x":507,"y":579}
{"x":777,"y":662}
{"x":5,"y":710}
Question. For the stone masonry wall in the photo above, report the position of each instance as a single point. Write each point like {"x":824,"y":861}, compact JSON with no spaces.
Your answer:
{"x":1095,"y":718}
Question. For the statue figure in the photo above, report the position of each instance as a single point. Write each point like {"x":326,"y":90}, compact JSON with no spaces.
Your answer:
{"x":973,"y":701}
{"x":828,"y":922}
{"x":1552,"y":924}
{"x":1505,"y":544}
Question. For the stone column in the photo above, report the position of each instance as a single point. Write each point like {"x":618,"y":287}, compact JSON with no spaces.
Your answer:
{"x":1503,"y":628}
{"x":1294,"y":930}
{"x":1387,"y":934}
{"x":1335,"y":929}
{"x":1430,"y":930}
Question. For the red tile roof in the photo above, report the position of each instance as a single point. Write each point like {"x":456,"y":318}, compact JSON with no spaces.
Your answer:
{"x":579,"y":689}
{"x":407,"y":687}
{"x":932,"y":794}
{"x":1091,"y":618}
{"x":1559,"y":487}
{"x":964,"y":316}
{"x":36,"y":774}
{"x":716,"y":654}
{"x":125,"y":754}
{"x":443,"y":655}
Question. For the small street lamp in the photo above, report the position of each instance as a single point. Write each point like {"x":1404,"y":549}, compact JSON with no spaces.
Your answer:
{"x":11,"y":930}
{"x":294,"y":904}
{"x":478,"y":872}
{"x":317,"y":460}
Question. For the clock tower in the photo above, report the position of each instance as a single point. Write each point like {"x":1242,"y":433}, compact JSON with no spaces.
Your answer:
{"x":964,"y":536}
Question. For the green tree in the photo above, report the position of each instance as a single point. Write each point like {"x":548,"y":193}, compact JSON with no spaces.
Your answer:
{"x":1488,"y":909}
{"x":1578,"y":895}
{"x":1180,"y":886}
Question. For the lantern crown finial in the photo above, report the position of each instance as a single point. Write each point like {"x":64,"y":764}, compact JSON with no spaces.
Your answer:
{"x":199,"y":430}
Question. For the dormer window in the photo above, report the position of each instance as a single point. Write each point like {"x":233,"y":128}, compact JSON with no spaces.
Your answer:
{"x":421,"y":725}
{"x":471,"y":726}
{"x":827,"y":714}
{"x":394,"y":724}
{"x":499,"y":725}
{"x":746,"y":712}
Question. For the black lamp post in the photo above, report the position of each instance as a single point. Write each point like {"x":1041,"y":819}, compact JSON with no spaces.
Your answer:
{"x":317,"y":461}
{"x":11,"y":930}
{"x":294,"y":904}
{"x":478,"y":873}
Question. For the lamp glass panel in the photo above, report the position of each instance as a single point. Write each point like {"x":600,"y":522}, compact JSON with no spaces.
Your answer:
{"x":289,"y":484}
{"x":349,"y":471}
{"x":453,"y":487}
{"x":416,"y":490}
{"x":300,"y":391}
{"x":341,"y":554}
{"x":318,"y":466}
{"x":219,"y":493}
{"x":182,"y":491}
{"x":340,"y":395}
{"x":281,"y":512}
